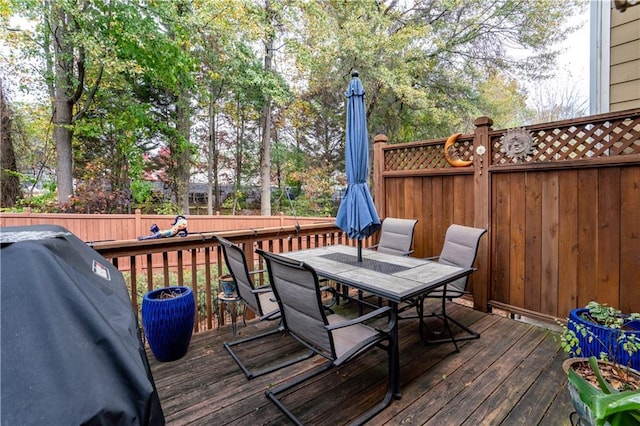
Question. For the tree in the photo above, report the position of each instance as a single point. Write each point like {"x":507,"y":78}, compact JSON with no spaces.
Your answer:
{"x":265,"y":158}
{"x":215,"y":83}
{"x":68,"y":61}
{"x":74,"y":43}
{"x":502,"y":99}
{"x":9,"y":181}
{"x":559,"y":99}
{"x":421,"y":62}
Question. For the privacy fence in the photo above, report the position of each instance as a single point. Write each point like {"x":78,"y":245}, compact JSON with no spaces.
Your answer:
{"x":116,"y":227}
{"x":561,"y":202}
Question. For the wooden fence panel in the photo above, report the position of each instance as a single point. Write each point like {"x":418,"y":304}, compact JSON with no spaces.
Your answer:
{"x":532,"y":244}
{"x":608,"y":249}
{"x":587,"y":237}
{"x":112,"y":227}
{"x":500,"y":241}
{"x":567,"y":240}
{"x":517,"y":241}
{"x":549,"y":243}
{"x":629,"y":239}
{"x":563,"y":219}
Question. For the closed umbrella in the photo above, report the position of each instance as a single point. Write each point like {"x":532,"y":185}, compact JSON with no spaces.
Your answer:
{"x":357,"y":215}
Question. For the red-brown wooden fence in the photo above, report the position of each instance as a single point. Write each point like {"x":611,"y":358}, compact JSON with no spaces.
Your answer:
{"x":563,"y":219}
{"x":115,"y":227}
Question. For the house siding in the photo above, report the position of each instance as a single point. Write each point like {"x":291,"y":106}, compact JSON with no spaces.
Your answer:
{"x":624,"y":67}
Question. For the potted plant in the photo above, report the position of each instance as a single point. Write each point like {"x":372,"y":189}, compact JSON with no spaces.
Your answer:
{"x":605,"y":390}
{"x":601,"y":330}
{"x":168,"y":316}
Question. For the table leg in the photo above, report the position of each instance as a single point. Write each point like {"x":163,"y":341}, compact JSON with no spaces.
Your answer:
{"x":221,"y":307}
{"x":395,"y":355}
{"x":234,"y":318}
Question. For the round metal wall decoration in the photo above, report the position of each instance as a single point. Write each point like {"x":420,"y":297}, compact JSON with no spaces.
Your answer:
{"x":517,"y":143}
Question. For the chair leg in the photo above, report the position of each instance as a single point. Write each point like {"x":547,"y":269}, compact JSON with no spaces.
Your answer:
{"x":272,"y":394}
{"x":470,"y":334}
{"x":253,"y":374}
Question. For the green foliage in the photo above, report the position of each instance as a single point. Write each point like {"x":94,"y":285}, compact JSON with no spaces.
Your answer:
{"x":169,"y":208}
{"x":607,"y":405}
{"x":141,"y":191}
{"x":607,"y":316}
{"x":159,"y":69}
{"x":45,"y":202}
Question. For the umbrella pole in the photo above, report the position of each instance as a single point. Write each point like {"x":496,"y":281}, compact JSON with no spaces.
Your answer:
{"x":359,"y":250}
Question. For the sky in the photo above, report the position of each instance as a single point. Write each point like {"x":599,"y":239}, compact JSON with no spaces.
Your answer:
{"x":576,"y":52}
{"x":572,"y":70}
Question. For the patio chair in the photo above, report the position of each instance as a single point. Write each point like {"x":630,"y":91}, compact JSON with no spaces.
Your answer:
{"x":333,"y":337}
{"x":260,"y":300}
{"x":460,"y":249}
{"x":396,"y":236}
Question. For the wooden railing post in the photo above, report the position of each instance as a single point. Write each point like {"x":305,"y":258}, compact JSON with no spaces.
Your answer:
{"x":138,"y":222}
{"x":482,"y":209}
{"x":379,"y":142}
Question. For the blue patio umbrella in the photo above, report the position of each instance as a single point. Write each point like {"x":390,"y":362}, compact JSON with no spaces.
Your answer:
{"x":357,"y":214}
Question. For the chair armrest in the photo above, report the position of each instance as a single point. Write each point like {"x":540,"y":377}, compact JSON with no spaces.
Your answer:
{"x":263,"y":289}
{"x":432,"y":258}
{"x":271,"y":315}
{"x":256,"y":272}
{"x":383,"y":310}
{"x":334,"y":296}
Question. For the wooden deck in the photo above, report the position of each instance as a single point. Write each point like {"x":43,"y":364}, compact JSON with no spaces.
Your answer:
{"x":511,"y":375}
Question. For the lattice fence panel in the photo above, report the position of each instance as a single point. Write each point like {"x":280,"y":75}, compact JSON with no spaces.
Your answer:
{"x":576,"y":142}
{"x":424,"y":157}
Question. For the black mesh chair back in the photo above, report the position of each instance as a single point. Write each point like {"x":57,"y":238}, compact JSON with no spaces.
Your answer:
{"x":396,"y":236}
{"x":261,"y":300}
{"x":460,"y":248}
{"x":262,"y":303}
{"x":332,"y":336}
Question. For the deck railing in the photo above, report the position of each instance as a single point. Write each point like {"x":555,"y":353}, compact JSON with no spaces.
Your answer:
{"x":196,"y":261}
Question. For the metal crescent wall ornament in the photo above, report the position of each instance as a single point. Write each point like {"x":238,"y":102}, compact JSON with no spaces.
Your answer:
{"x":448,"y":150}
{"x":517,"y":143}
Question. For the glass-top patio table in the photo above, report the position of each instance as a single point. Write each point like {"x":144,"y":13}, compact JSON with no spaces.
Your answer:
{"x":397,"y":279}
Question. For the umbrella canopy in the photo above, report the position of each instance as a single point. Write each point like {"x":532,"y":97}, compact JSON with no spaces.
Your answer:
{"x":357,"y":215}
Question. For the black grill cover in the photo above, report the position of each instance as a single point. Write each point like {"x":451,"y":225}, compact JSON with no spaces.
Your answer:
{"x":71,"y":350}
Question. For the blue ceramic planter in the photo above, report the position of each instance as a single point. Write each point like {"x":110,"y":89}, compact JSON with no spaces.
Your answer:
{"x":168,"y":322}
{"x":604,"y":339}
{"x":228,"y":285}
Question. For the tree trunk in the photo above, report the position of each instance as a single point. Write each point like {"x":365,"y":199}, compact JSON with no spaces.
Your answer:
{"x":9,"y":181}
{"x":265,"y":162}
{"x":238,"y":165}
{"x":213,"y":186}
{"x":183,"y":172}
{"x":63,"y":105}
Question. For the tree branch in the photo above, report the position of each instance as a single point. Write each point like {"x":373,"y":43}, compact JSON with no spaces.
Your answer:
{"x":90,"y":97}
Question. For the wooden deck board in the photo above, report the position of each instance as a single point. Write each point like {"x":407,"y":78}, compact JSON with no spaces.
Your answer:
{"x":511,"y":375}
